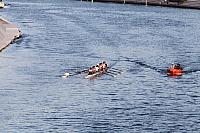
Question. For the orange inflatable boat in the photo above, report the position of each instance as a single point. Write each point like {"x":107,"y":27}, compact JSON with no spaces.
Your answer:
{"x":174,"y":72}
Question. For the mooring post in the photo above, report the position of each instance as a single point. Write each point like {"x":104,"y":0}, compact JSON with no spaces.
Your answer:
{"x":124,"y":1}
{"x":146,"y":3}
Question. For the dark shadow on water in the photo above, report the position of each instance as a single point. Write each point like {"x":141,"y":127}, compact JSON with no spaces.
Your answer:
{"x":192,"y":71}
{"x":22,"y":38}
{"x":162,"y":71}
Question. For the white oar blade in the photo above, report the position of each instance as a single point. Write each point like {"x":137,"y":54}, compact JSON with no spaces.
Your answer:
{"x":66,"y":75}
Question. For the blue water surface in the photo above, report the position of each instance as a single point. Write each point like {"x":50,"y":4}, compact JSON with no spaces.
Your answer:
{"x":65,"y":36}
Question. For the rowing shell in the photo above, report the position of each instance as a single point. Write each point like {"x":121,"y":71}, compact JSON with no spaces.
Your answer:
{"x":95,"y":74}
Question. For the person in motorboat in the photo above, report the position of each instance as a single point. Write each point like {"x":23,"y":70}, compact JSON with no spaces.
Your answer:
{"x":175,"y":70}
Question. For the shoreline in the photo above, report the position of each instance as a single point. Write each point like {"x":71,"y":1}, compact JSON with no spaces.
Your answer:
{"x":190,"y":4}
{"x":8,"y":33}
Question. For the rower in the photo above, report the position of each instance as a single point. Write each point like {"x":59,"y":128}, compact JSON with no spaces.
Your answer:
{"x":175,"y":70}
{"x":104,"y":65}
{"x":97,"y":68}
{"x":100,"y":66}
{"x":93,"y":70}
{"x":90,"y":71}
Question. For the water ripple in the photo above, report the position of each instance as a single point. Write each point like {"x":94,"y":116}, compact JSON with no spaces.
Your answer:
{"x":69,"y":36}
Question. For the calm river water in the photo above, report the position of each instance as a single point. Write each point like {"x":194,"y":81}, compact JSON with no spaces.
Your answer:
{"x":62,"y":35}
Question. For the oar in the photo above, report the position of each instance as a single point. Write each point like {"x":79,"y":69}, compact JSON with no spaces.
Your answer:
{"x":113,"y":73}
{"x":109,"y":74}
{"x":66,"y":74}
{"x":7,"y":57}
{"x":114,"y":69}
{"x":117,"y":71}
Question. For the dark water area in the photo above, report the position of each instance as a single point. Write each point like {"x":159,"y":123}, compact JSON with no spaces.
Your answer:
{"x":62,"y":35}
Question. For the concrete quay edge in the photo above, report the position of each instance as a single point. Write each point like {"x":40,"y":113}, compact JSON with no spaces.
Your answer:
{"x":8,"y":33}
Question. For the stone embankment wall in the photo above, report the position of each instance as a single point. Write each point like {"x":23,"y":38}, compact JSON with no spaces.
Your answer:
{"x":8,"y":33}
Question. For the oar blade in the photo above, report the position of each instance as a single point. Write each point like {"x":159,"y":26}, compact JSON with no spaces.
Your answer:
{"x":65,"y":75}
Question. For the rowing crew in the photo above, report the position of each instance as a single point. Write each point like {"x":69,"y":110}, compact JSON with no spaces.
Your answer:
{"x":98,"y":68}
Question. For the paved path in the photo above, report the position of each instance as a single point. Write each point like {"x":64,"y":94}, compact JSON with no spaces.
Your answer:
{"x":191,"y":4}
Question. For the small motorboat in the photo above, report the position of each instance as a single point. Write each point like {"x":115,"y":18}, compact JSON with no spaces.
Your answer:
{"x":175,"y":70}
